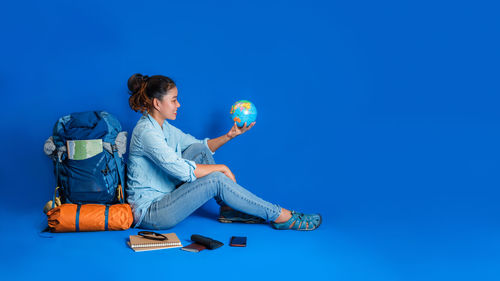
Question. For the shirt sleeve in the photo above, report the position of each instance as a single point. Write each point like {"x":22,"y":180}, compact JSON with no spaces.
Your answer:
{"x":155,"y":148}
{"x":186,"y":140}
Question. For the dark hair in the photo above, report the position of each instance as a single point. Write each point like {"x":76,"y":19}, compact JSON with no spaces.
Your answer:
{"x":143,"y":89}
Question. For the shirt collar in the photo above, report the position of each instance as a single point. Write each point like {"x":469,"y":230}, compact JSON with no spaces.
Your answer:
{"x":155,"y":123}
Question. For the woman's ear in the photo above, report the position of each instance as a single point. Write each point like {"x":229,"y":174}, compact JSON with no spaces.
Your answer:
{"x":156,"y":104}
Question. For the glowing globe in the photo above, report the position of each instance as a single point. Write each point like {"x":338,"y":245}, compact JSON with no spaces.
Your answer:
{"x":243,"y":111}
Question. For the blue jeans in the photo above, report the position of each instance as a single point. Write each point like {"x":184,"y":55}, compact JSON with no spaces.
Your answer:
{"x":187,"y":197}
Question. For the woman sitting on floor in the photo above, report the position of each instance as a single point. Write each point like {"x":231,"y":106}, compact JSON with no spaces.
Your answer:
{"x":171,"y":174}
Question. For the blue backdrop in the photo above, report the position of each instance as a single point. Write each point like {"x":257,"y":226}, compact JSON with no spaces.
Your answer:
{"x":382,"y":116}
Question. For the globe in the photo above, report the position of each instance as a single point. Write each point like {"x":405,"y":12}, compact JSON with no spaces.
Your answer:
{"x":243,"y":111}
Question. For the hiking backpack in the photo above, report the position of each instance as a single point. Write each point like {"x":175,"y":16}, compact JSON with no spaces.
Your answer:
{"x":99,"y":179}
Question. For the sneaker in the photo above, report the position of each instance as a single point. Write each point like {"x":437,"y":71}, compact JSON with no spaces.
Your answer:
{"x":228,"y":215}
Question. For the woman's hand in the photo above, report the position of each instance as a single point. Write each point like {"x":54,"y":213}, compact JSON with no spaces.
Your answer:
{"x":214,"y":144}
{"x":225,"y":170}
{"x":205,"y":169}
{"x":236,"y":131}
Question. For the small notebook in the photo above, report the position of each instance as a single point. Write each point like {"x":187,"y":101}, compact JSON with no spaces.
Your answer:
{"x":139,"y":243}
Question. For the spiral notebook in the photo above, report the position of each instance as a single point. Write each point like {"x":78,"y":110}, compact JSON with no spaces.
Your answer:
{"x":140,"y":244}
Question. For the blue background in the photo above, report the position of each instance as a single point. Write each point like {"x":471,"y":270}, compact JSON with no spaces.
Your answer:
{"x":381,"y":115}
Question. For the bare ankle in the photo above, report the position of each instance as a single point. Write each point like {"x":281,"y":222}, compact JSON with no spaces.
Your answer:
{"x":285,"y":215}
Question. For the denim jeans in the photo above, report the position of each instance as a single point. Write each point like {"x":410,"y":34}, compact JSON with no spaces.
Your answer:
{"x":187,"y":197}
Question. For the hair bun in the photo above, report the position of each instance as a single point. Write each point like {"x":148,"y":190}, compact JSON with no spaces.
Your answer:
{"x":144,"y":89}
{"x":135,"y":82}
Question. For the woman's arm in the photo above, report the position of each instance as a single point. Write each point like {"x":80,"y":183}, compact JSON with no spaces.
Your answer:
{"x":235,"y":131}
{"x":214,"y":144}
{"x":204,"y":169}
{"x":155,"y":148}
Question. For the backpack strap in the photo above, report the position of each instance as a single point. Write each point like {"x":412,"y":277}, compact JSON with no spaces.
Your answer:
{"x":54,"y":201}
{"x":121,"y":192}
{"x":121,"y":144}
{"x":57,"y":185}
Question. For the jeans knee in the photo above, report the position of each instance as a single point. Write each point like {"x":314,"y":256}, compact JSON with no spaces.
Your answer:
{"x":197,"y":146}
{"x":204,"y":149}
{"x":199,"y":153}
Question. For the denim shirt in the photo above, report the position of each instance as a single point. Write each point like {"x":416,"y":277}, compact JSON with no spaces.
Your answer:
{"x":155,"y":164}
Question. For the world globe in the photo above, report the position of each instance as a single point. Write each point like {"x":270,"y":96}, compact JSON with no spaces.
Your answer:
{"x":243,"y":111}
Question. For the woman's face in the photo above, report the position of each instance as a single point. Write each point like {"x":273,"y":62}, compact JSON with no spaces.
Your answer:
{"x":169,"y":104}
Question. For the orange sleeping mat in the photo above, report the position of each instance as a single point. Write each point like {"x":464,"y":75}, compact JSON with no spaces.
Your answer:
{"x":90,"y":217}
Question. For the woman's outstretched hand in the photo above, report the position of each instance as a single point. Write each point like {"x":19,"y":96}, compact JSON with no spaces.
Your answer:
{"x":236,"y":131}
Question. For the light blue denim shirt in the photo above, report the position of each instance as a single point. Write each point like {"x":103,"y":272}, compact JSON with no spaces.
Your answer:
{"x":155,"y":164}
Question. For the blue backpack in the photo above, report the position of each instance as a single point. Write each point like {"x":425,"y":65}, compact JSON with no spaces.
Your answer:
{"x":99,"y":179}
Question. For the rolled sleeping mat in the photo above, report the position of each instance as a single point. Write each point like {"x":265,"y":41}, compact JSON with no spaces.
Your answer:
{"x":90,"y":217}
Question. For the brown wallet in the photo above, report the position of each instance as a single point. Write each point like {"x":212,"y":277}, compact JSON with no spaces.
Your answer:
{"x":195,"y":248}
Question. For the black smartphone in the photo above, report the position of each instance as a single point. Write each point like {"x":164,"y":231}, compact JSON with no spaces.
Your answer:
{"x":237,"y":241}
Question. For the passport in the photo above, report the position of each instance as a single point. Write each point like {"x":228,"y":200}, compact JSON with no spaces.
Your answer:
{"x":195,"y":248}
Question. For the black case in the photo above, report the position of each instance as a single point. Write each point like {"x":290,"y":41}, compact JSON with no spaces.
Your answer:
{"x":206,"y":241}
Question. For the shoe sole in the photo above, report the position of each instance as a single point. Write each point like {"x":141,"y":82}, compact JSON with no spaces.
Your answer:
{"x":223,"y":220}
